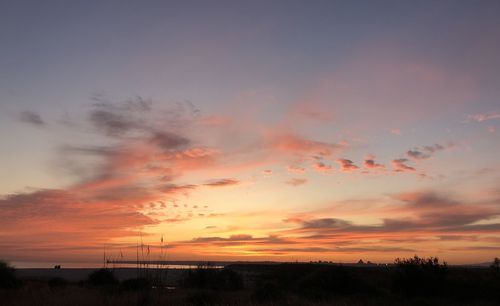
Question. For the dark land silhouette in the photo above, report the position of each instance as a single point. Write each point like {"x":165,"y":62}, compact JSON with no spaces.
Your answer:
{"x":408,"y":281}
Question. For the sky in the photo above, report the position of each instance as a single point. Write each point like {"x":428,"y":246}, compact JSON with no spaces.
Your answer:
{"x":256,"y":130}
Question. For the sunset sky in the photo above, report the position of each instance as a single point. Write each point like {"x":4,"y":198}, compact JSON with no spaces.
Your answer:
{"x":256,"y":130}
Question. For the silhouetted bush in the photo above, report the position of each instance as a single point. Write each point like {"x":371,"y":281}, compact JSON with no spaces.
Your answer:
{"x":493,"y":281}
{"x":495,"y":265}
{"x":420,"y":276}
{"x":102,"y":277}
{"x":8,"y":276}
{"x":209,"y":278}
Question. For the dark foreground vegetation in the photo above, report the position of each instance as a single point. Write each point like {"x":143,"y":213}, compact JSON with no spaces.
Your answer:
{"x":412,"y":281}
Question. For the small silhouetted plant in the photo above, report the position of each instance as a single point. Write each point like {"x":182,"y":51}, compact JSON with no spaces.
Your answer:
{"x":7,"y":276}
{"x":102,"y":277}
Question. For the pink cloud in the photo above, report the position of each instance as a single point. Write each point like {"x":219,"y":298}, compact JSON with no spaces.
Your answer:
{"x":321,"y":167}
{"x":347,"y":165}
{"x":369,"y":163}
{"x":196,"y":152}
{"x":400,"y":165}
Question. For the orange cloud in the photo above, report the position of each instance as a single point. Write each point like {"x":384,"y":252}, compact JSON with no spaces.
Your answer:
{"x":56,"y":220}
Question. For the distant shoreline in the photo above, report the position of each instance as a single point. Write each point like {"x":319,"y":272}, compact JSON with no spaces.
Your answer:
{"x":189,"y":264}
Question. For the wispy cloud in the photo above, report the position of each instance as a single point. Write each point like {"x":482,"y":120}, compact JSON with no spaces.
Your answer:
{"x":427,"y":151}
{"x":296,"y":181}
{"x":31,"y":117}
{"x":222,"y":182}
{"x":173,"y":189}
{"x":297,"y":145}
{"x":484,"y":116}
{"x":399,"y":165}
{"x":296,"y":169}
